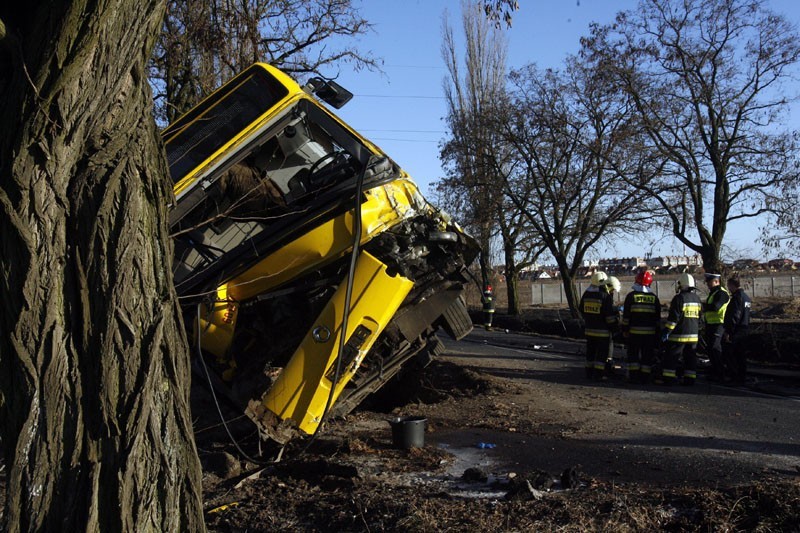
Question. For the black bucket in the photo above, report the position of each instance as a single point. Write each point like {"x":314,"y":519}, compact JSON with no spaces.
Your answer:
{"x":408,"y":432}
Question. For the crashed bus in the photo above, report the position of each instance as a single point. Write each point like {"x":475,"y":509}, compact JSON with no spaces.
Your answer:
{"x":310,"y":268}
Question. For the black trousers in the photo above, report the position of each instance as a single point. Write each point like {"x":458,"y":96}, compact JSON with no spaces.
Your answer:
{"x":673,"y":354}
{"x":598,"y":351}
{"x":714,"y":349}
{"x":734,"y":356}
{"x":640,"y":352}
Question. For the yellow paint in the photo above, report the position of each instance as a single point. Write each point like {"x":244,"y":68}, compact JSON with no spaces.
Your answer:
{"x":302,"y":390}
{"x":385,"y":207}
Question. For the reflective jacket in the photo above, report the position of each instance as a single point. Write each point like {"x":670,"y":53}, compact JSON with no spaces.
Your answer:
{"x":641,"y":313}
{"x":716,"y":303}
{"x":599,"y":315}
{"x":737,"y":317}
{"x":683,"y":320}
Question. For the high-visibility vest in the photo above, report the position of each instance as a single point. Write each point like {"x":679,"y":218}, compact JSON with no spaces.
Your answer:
{"x":718,"y":316}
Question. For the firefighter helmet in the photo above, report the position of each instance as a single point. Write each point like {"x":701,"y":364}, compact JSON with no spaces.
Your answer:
{"x":685,"y":282}
{"x":613,"y":283}
{"x":644,"y":278}
{"x":599,"y":278}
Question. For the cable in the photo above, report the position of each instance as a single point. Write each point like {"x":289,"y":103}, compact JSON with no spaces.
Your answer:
{"x":347,"y":298}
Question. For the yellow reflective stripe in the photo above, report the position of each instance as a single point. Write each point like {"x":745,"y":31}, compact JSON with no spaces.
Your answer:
{"x":643,"y":331}
{"x":670,"y":325}
{"x":683,"y":338}
{"x":690,"y":374}
{"x":597,"y":333}
{"x":642,"y":309}
{"x":625,"y":321}
{"x":599,"y":365}
{"x":668,"y":373}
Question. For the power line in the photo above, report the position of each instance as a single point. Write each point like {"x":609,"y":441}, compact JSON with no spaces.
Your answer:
{"x":401,"y":140}
{"x":409,"y":96}
{"x":405,"y":131}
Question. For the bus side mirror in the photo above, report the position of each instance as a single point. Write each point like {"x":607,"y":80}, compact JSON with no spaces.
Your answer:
{"x":329,"y":92}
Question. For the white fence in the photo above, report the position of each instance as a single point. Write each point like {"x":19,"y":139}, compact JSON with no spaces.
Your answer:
{"x":552,"y":292}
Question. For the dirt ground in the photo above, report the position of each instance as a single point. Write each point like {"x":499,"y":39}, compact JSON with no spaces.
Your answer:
{"x":352,"y":477}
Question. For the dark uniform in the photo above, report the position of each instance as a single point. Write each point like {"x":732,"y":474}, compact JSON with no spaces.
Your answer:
{"x":737,"y":322}
{"x":600,"y":320}
{"x":682,"y":331}
{"x":641,"y":318}
{"x":488,"y":307}
{"x":714,"y":315}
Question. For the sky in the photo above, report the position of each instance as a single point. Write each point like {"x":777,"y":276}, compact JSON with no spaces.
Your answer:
{"x":402,"y":109}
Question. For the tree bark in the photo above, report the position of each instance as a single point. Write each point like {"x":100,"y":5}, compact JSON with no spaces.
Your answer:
{"x":94,"y":370}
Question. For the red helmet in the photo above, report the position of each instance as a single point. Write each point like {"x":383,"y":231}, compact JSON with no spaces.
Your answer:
{"x":644,"y":278}
{"x":488,"y":288}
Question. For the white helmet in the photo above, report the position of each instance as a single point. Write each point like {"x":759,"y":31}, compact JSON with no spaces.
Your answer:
{"x":685,"y":281}
{"x":613,"y":283}
{"x":599,"y":278}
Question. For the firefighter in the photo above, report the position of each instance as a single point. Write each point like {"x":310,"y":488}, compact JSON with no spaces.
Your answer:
{"x":641,"y":320}
{"x":737,"y":322}
{"x":714,"y":316}
{"x":488,"y":307}
{"x":600,"y":320}
{"x":681,"y":332}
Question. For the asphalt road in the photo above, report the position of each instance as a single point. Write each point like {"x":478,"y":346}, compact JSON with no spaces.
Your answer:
{"x":706,"y":434}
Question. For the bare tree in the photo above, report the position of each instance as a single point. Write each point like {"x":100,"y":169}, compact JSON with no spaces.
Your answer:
{"x":203,"y":43}
{"x":472,"y":90}
{"x":94,"y":371}
{"x":563,"y":130}
{"x":705,"y":76}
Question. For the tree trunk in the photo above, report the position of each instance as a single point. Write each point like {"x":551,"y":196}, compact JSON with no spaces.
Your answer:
{"x":512,"y":278}
{"x":568,"y":281}
{"x":94,"y":371}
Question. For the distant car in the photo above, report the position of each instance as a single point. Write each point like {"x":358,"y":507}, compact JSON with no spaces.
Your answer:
{"x":290,"y":228}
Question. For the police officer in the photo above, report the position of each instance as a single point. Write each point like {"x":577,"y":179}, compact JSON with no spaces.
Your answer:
{"x":681,"y":332}
{"x":714,"y":315}
{"x":488,"y":307}
{"x":600,"y":320}
{"x":737,"y":322}
{"x":641,"y":321}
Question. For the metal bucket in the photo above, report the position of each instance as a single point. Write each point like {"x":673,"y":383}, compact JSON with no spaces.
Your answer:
{"x":408,"y":432}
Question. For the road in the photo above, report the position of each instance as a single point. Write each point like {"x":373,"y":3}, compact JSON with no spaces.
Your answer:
{"x":556,"y":419}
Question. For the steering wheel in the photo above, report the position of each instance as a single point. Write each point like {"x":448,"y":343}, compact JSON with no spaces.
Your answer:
{"x":321,"y":162}
{"x":329,"y":160}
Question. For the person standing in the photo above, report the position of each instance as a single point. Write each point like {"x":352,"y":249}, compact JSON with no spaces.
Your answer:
{"x":736,"y":325}
{"x":682,"y":332}
{"x":714,"y":315}
{"x":600,"y":319}
{"x":641,"y":321}
{"x":488,"y":307}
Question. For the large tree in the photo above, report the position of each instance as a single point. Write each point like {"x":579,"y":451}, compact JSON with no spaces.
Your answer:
{"x":564,"y":130}
{"x":94,"y":370}
{"x":706,"y":79}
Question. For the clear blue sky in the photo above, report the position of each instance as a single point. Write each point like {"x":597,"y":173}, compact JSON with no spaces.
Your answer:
{"x":402,"y":109}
